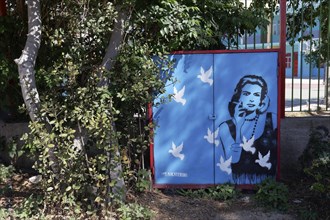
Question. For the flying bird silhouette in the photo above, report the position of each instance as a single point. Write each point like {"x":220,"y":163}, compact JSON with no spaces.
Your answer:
{"x":176,"y":151}
{"x":248,"y":145}
{"x":263,"y":160}
{"x":211,"y":137}
{"x":206,"y":77}
{"x":178,"y":96}
{"x":225,"y":165}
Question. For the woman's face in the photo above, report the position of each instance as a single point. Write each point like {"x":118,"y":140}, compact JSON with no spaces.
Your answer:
{"x":251,"y":97}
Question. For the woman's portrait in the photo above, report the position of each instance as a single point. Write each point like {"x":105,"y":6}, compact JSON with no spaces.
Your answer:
{"x":248,"y":137}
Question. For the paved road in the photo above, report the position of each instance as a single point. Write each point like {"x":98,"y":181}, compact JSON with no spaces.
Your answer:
{"x":310,"y":92}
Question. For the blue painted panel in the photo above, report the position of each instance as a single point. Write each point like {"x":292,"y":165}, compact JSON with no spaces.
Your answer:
{"x":183,"y":123}
{"x":254,"y":156}
{"x":195,"y":139}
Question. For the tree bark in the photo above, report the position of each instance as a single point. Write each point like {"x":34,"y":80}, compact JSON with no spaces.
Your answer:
{"x":112,"y":51}
{"x":113,"y":48}
{"x":26,"y":63}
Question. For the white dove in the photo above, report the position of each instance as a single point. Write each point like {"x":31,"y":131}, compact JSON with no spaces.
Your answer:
{"x":248,"y":145}
{"x":178,"y":96}
{"x":263,"y":160}
{"x":225,"y":165}
{"x":206,"y":76}
{"x":211,"y":137}
{"x":176,"y":151}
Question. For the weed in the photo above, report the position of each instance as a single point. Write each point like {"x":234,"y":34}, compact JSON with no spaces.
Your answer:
{"x":308,"y":214}
{"x":143,"y":182}
{"x":134,"y":211}
{"x":273,"y":194}
{"x":220,"y":192}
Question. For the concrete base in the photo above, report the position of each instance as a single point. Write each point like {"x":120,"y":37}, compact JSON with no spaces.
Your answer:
{"x":295,"y":132}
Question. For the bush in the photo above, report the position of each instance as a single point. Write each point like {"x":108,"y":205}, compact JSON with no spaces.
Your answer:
{"x":315,"y":161}
{"x":273,"y":194}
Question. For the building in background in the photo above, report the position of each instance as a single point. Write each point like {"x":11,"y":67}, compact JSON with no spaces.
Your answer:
{"x":297,"y":52}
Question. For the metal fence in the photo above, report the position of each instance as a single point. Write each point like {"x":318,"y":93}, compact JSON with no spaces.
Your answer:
{"x":307,"y":72}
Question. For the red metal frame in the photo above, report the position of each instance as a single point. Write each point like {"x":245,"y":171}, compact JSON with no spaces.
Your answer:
{"x":225,"y":51}
{"x":152,"y":165}
{"x":282,"y":57}
{"x":3,"y":8}
{"x":281,"y":80}
{"x":280,"y":110}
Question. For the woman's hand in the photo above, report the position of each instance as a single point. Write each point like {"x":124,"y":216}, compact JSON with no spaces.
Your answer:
{"x":236,"y":150}
{"x":239,"y":119}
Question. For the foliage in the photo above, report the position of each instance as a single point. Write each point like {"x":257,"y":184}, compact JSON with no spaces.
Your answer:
{"x":132,"y":211}
{"x":308,"y":214}
{"x":29,"y":208}
{"x":12,"y":33}
{"x":165,"y":26}
{"x":143,"y":182}
{"x":12,"y":149}
{"x":225,"y":21}
{"x":191,"y":25}
{"x":220,"y":192}
{"x":8,"y":148}
{"x":303,"y":17}
{"x":316,"y":161}
{"x":83,"y":182}
{"x":78,"y":107}
{"x":6,"y":173}
{"x":273,"y":194}
{"x":134,"y":84}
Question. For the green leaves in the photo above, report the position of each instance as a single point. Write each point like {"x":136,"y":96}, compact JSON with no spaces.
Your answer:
{"x":303,"y":18}
{"x":315,"y":161}
{"x":273,"y":194}
{"x":221,"y":192}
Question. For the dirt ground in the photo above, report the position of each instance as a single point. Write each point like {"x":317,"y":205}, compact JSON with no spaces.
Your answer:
{"x":176,"y":207}
{"x":302,"y":204}
{"x":168,"y":204}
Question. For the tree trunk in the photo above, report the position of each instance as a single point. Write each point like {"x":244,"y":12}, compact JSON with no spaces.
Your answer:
{"x":27,"y":60}
{"x":26,"y":63}
{"x":112,"y":50}
{"x":114,"y":166}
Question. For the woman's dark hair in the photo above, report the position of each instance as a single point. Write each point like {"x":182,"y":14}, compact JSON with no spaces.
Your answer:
{"x":248,"y":79}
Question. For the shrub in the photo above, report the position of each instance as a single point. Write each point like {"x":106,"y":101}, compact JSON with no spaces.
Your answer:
{"x":315,"y":161}
{"x":273,"y":194}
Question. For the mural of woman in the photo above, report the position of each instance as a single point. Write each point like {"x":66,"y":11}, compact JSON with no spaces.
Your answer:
{"x":249,"y":138}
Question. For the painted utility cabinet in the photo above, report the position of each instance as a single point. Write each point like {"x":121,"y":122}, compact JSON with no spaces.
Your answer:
{"x":221,"y":123}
